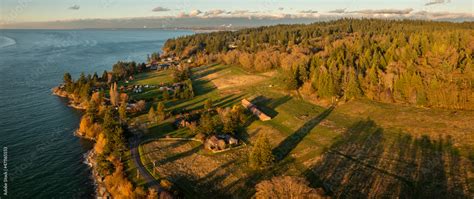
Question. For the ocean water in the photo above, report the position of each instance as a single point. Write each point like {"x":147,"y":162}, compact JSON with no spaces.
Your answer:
{"x":43,"y":158}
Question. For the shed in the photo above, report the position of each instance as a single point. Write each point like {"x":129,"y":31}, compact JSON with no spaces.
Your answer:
{"x":252,"y":108}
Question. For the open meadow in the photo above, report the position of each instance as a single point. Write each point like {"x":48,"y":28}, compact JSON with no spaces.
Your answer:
{"x":354,"y":149}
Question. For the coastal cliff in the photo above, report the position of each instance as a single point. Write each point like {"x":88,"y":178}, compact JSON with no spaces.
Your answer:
{"x":82,"y":132}
{"x":73,"y":100}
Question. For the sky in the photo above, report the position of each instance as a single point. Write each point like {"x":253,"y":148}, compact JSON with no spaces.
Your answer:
{"x":17,"y":11}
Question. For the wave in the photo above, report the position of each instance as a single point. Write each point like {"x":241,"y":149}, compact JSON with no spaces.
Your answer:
{"x":6,"y":41}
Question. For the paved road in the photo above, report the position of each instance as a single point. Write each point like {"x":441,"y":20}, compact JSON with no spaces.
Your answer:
{"x":149,"y":179}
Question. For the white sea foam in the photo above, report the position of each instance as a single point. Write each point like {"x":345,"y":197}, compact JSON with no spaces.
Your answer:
{"x":6,"y":41}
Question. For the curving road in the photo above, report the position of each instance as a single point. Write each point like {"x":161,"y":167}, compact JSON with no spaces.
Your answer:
{"x":149,"y":179}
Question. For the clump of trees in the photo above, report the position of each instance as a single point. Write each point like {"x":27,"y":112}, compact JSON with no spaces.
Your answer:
{"x":414,"y":62}
{"x":158,"y":115}
{"x":219,"y":121}
{"x":231,"y":118}
{"x":183,"y":91}
{"x":154,"y":57}
{"x":123,"y":70}
{"x":181,"y":74}
{"x":287,"y":187}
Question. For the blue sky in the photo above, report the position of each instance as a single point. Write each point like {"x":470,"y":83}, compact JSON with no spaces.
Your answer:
{"x":50,"y":10}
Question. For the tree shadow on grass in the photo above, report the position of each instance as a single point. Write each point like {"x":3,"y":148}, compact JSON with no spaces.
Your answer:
{"x":244,"y":187}
{"x":178,"y":156}
{"x":367,"y":162}
{"x":159,"y":130}
{"x":229,"y":101}
{"x":202,"y":86}
{"x":201,"y":72}
{"x":290,"y":142}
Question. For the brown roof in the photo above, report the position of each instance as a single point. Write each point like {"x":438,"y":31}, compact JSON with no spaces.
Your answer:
{"x":262,"y":116}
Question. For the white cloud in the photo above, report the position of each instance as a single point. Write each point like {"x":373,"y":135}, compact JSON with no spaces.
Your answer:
{"x":74,"y":7}
{"x":441,"y":15}
{"x":182,"y":15}
{"x":309,"y":11}
{"x":433,"y":2}
{"x":160,"y":9}
{"x":239,"y":12}
{"x":339,"y":11}
{"x":195,"y":13}
{"x":384,"y":11}
{"x":214,"y":12}
{"x":407,"y":13}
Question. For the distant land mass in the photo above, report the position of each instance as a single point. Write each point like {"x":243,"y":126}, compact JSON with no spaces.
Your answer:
{"x":203,"y":23}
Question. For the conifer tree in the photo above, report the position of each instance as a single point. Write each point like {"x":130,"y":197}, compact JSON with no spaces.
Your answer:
{"x":352,"y":89}
{"x":261,"y":155}
{"x":207,"y":124}
{"x":123,"y":112}
{"x":160,"y":111}
{"x":152,"y":115}
{"x":104,"y":77}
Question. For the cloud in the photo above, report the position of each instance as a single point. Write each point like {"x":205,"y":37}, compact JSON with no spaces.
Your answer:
{"x":338,"y":11}
{"x":239,"y":12}
{"x":195,"y":13}
{"x":281,"y":8}
{"x":214,"y":12}
{"x":74,"y":7}
{"x":433,"y":2}
{"x":442,"y":15}
{"x":384,"y":11}
{"x":182,"y":15}
{"x":160,"y":9}
{"x":309,"y":11}
{"x":192,"y":14}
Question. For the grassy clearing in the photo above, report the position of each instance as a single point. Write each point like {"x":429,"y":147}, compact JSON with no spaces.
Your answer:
{"x":358,"y":149}
{"x":131,"y":170}
{"x":153,"y":77}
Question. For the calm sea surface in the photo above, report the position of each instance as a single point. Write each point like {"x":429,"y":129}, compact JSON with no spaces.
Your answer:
{"x":44,"y":159}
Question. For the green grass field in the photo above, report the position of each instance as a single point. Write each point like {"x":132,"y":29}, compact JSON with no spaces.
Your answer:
{"x":394,"y":149}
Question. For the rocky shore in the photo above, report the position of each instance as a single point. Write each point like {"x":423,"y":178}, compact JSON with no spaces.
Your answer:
{"x":72,"y":102}
{"x":90,"y":157}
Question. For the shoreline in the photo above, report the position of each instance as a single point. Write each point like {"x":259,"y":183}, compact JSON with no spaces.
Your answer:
{"x":60,"y":93}
{"x":100,"y":190}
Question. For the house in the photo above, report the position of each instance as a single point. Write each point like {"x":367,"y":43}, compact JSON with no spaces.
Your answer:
{"x":163,"y":66}
{"x":252,"y":108}
{"x":212,"y":143}
{"x":220,"y":142}
{"x":152,"y":66}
